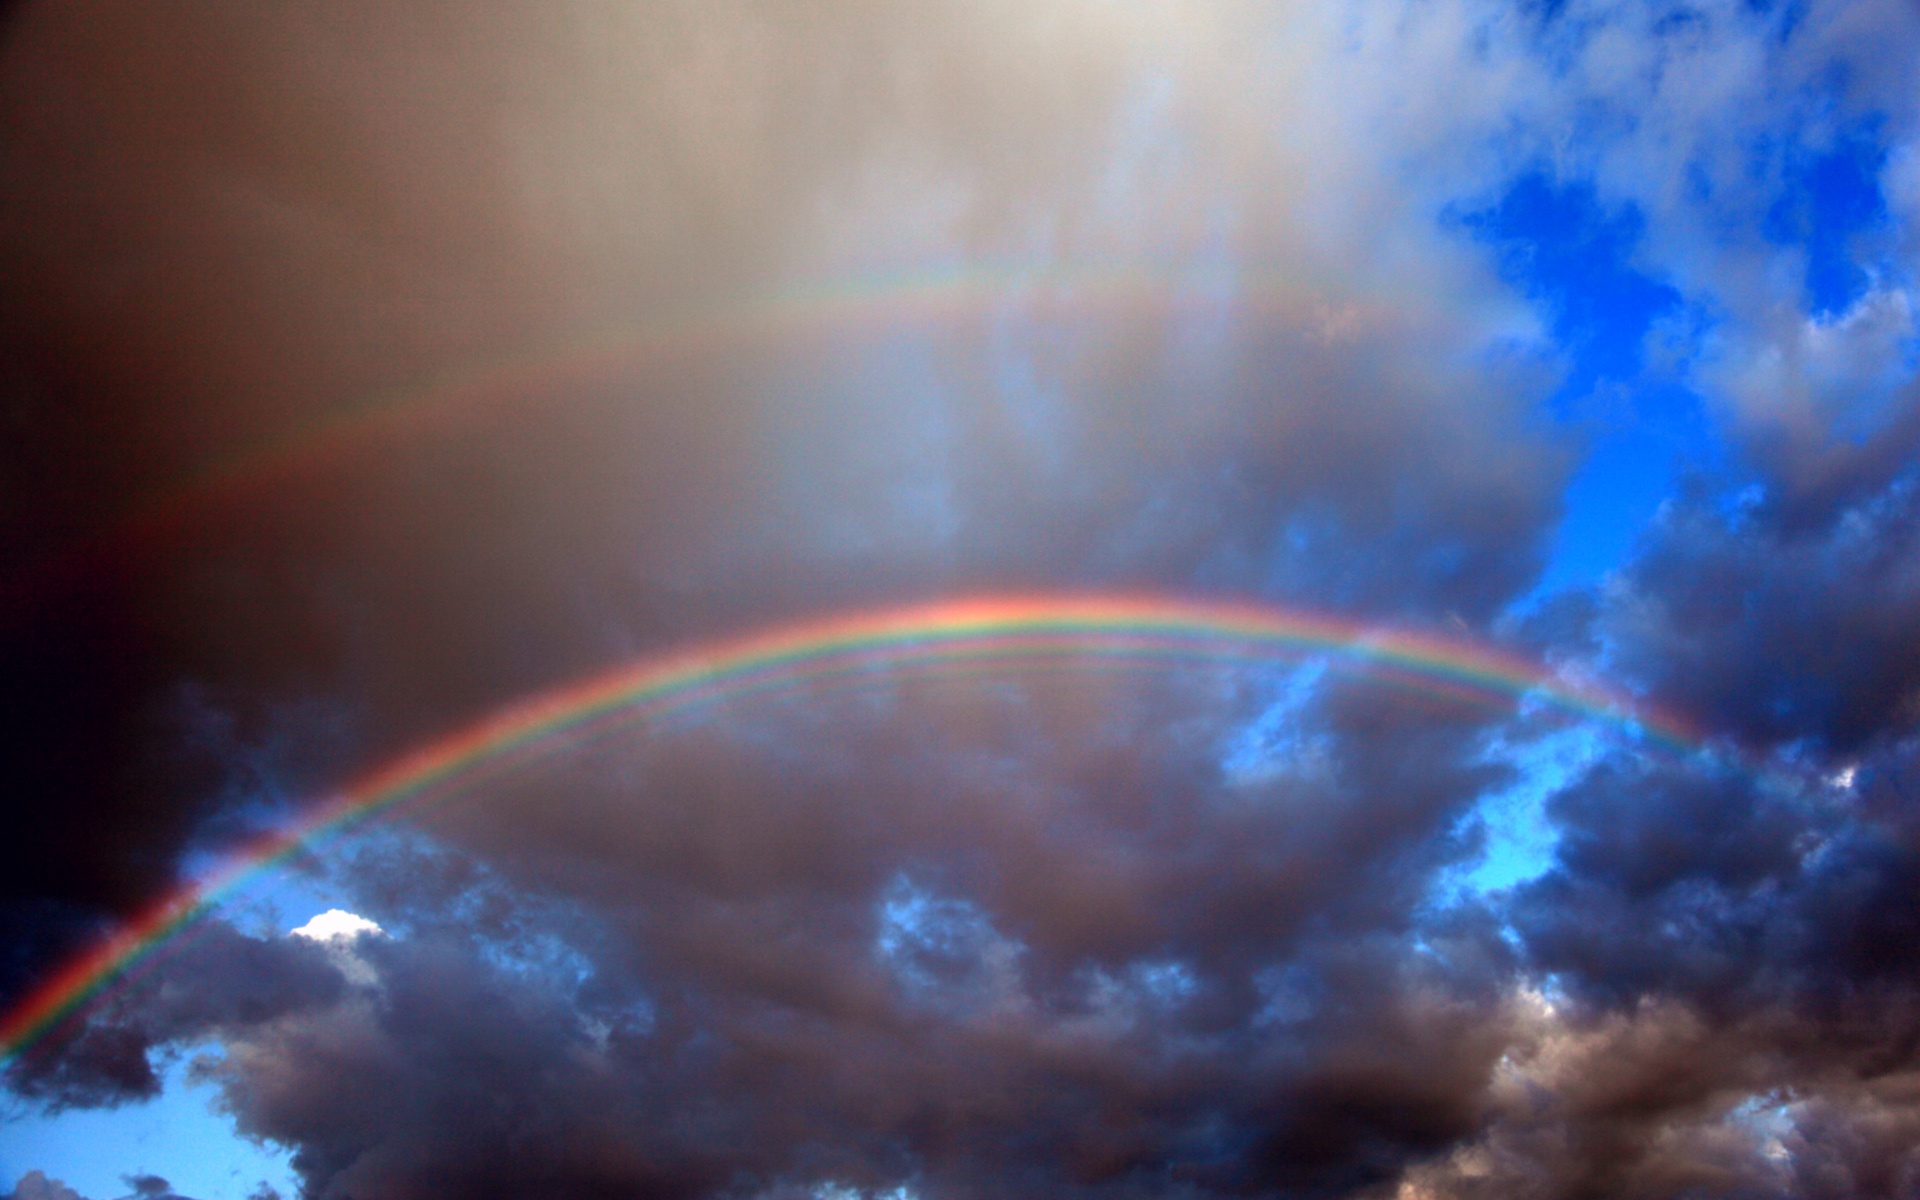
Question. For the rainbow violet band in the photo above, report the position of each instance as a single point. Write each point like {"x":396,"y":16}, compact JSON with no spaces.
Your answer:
{"x":990,"y":633}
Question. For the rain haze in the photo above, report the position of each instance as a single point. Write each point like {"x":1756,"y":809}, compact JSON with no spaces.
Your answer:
{"x":867,"y":601}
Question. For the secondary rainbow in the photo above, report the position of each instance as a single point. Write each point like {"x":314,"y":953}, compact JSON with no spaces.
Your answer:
{"x":982,"y":633}
{"x":501,"y":384}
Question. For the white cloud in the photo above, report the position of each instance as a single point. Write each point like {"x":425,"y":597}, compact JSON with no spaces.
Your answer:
{"x":340,"y":932}
{"x":335,"y":925}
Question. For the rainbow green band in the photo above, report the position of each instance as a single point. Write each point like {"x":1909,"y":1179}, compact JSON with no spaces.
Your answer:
{"x":985,"y":633}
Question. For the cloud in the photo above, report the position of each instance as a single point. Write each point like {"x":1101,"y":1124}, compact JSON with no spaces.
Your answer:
{"x":685,"y":319}
{"x":1062,"y":949}
{"x":1180,"y":386}
{"x":336,"y":925}
{"x":207,"y":981}
{"x":150,"y":1187}
{"x":1776,"y":632}
{"x":34,"y":1185}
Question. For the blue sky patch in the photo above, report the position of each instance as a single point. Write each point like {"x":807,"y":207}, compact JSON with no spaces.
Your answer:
{"x":179,"y":1135}
{"x":1573,"y":256}
{"x":1828,"y":199}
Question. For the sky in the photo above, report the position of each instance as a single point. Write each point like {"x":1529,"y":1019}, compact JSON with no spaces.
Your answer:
{"x":855,"y":601}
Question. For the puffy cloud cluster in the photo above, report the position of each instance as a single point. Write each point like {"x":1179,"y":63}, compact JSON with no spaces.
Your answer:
{"x":496,"y":345}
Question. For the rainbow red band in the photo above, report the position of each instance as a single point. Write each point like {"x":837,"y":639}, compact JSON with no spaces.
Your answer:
{"x":985,"y":632}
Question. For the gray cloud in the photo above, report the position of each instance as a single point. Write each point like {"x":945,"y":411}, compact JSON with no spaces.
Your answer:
{"x":1777,"y":631}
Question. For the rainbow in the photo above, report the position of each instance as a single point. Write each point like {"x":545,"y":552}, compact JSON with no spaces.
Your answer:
{"x":513,"y":381}
{"x":978,"y":634}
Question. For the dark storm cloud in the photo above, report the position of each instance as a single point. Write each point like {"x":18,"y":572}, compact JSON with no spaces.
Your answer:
{"x":702,"y":965}
{"x":211,"y":979}
{"x":1177,"y":933}
{"x":1777,"y":630}
{"x":1733,"y":1001}
{"x":1750,"y":917}
{"x":224,"y":226}
{"x":976,"y":939}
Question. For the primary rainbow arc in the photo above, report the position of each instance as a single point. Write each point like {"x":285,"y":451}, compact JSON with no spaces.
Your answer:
{"x":988,"y":632}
